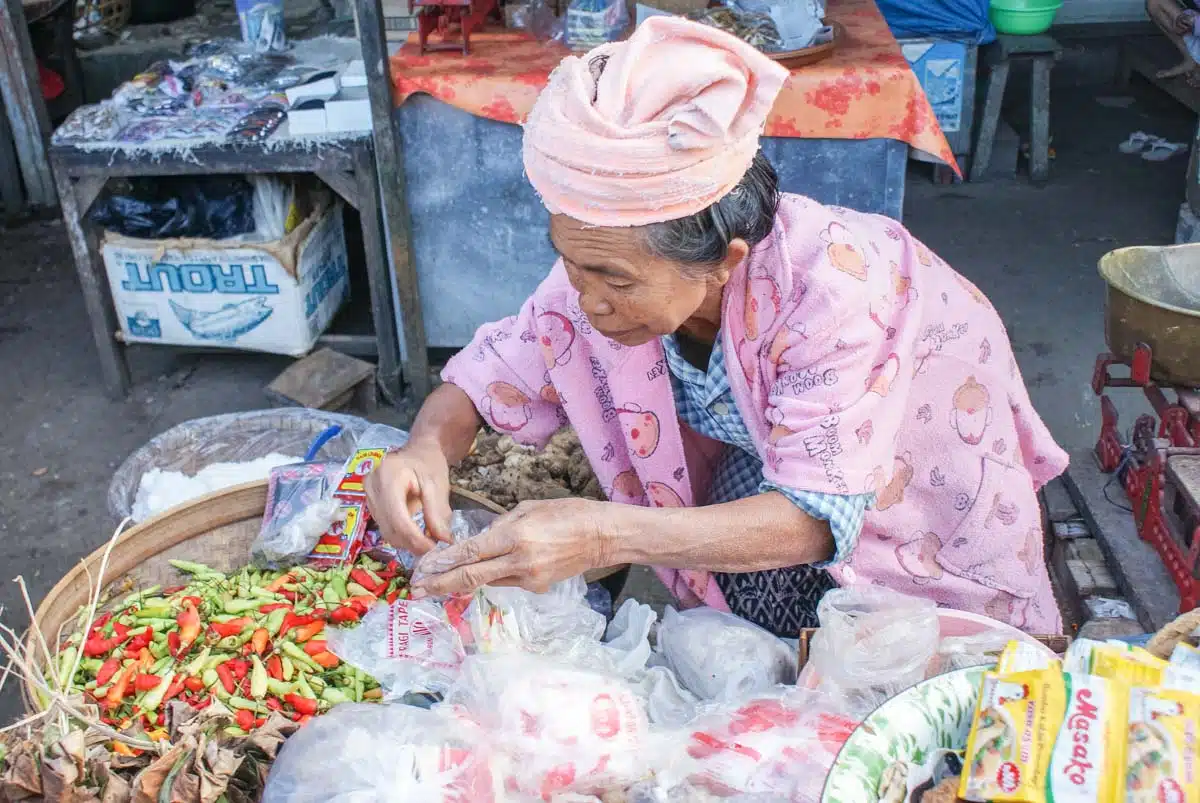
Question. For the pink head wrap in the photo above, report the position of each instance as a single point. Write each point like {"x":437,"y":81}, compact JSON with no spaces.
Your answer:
{"x":655,"y":128}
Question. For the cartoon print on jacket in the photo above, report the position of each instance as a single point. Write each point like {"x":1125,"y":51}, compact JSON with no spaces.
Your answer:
{"x":662,"y":495}
{"x":890,"y":492}
{"x":506,"y":406}
{"x":883,"y":375}
{"x":971,"y":411}
{"x":641,"y":429}
{"x":844,"y":251}
{"x":918,"y":558}
{"x":627,"y":489}
{"x":558,"y":334}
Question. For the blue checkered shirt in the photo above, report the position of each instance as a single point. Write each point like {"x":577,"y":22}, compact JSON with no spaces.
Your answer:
{"x":705,"y":403}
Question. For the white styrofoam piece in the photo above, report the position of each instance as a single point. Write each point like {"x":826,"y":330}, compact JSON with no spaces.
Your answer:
{"x":236,"y":296}
{"x":349,"y":111}
{"x":307,"y":121}
{"x":355,"y":74}
{"x":324,"y":89}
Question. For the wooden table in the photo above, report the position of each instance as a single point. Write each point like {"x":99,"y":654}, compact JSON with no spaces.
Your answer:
{"x":347,"y":165}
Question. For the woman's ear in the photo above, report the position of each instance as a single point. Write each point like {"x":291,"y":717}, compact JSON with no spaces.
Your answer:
{"x":735,"y":253}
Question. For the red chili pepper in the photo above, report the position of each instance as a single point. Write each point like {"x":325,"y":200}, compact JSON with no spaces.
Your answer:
{"x":239,"y":667}
{"x":244,"y":719}
{"x":275,"y":667}
{"x":233,"y":627}
{"x":303,"y":720}
{"x":141,"y":640}
{"x":393,"y":596}
{"x":99,"y":624}
{"x":303,"y":705}
{"x":316,"y":647}
{"x":189,"y":627}
{"x":287,"y":594}
{"x":177,"y":684}
{"x":309,"y":631}
{"x":326,"y":659}
{"x":274,"y":704}
{"x":174,"y":643}
{"x":166,"y":592}
{"x":161,"y":719}
{"x":361,"y":577}
{"x":146,"y":682}
{"x":259,"y":640}
{"x":120,"y":630}
{"x":344,"y":615}
{"x":194,"y":684}
{"x":226,"y":676}
{"x":96,"y":647}
{"x":196,"y":601}
{"x":203,"y":704}
{"x":272,"y":606}
{"x":107,"y":670}
{"x":291,"y":620}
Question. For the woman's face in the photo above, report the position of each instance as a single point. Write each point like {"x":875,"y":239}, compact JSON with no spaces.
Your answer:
{"x":629,"y":295}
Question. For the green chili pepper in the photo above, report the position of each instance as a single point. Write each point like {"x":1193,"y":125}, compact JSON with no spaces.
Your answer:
{"x":334,"y":696}
{"x":297,"y":654}
{"x":197,"y":664}
{"x":289,"y":668}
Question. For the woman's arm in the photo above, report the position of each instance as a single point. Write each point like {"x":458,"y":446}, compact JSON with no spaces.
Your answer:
{"x":448,"y":418}
{"x":540,"y":543}
{"x":766,"y":531}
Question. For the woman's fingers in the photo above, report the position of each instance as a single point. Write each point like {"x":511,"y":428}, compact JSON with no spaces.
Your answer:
{"x":490,"y":544}
{"x":435,"y":500}
{"x":466,"y":579}
{"x":390,"y":498}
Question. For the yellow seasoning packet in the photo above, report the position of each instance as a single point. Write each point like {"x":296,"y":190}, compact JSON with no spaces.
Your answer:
{"x":1020,"y":656}
{"x":1163,"y":751}
{"x":1087,"y":765}
{"x":1124,"y":663}
{"x":1012,"y":737}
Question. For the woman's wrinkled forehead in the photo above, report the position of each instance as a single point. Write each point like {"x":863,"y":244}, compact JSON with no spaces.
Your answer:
{"x":597,"y":248}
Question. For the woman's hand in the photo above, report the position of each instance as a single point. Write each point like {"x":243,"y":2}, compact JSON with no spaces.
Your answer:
{"x":534,"y":546}
{"x":416,"y":477}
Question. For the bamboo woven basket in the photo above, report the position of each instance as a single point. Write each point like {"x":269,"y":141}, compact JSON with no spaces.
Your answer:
{"x":216,"y":529}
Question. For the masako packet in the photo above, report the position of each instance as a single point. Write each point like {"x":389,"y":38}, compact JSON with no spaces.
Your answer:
{"x":1013,"y":735}
{"x":1163,"y":751}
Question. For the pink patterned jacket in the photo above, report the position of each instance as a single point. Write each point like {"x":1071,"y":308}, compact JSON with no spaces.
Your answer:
{"x":867,"y":364}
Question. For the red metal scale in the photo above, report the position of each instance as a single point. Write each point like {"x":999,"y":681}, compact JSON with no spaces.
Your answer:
{"x":1160,"y":469}
{"x":443,"y":16}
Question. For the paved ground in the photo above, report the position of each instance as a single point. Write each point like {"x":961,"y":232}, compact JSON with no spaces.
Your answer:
{"x":1033,"y":251}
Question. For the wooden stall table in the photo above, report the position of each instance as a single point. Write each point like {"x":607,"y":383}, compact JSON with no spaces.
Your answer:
{"x":839,"y":133}
{"x":345,"y":162}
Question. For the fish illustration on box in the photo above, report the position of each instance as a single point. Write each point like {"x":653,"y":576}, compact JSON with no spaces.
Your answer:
{"x":227,"y":323}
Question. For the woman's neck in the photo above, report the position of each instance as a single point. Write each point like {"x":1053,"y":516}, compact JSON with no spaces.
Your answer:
{"x":705,"y":322}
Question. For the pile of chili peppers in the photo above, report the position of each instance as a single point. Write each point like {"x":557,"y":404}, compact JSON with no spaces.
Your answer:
{"x":253,"y":640}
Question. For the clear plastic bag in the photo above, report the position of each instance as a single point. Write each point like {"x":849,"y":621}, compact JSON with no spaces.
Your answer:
{"x":419,"y":645}
{"x":777,"y":745}
{"x":872,"y":645}
{"x":300,"y":507}
{"x":591,"y":23}
{"x":232,"y":438}
{"x":364,"y":753}
{"x":719,"y":656}
{"x":561,"y":728}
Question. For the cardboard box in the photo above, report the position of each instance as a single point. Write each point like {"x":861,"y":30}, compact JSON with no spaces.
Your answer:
{"x":276,"y":297}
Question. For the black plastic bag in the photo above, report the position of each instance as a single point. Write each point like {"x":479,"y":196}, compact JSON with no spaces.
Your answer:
{"x":213,"y":207}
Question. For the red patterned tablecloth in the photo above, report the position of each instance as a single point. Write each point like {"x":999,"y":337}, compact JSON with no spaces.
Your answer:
{"x":865,"y":90}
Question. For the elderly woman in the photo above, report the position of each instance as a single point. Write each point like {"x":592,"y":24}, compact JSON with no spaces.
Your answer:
{"x":778,"y":397}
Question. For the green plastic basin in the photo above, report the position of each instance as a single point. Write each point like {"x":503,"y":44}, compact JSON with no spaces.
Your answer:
{"x":1023,"y":17}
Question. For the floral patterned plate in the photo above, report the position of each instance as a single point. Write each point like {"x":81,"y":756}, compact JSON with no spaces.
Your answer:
{"x":933,"y":715}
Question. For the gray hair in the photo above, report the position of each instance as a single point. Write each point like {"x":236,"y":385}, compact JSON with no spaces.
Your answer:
{"x":701,"y":240}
